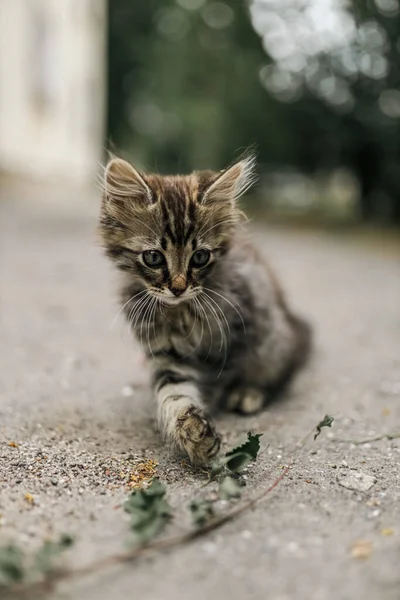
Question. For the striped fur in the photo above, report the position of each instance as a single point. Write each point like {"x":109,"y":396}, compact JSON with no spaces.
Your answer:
{"x":219,"y":333}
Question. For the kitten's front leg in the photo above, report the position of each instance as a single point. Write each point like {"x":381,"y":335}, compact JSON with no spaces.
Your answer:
{"x":182,"y":417}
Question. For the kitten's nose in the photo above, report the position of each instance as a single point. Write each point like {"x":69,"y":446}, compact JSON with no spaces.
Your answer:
{"x":178,"y":285}
{"x":176,"y":291}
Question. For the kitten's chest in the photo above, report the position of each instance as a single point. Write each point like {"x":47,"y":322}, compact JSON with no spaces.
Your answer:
{"x":188,"y":333}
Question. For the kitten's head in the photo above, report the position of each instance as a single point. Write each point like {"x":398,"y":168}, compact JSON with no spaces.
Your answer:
{"x":169,"y":232}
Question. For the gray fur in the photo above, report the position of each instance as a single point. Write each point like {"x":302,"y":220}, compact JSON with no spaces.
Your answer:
{"x":229,"y":339}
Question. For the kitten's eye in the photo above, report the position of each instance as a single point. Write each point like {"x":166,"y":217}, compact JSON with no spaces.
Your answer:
{"x":200,"y":258}
{"x":153,"y":258}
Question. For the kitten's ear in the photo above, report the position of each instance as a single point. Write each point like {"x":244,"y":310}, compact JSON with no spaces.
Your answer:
{"x":232,"y":183}
{"x":123,"y":182}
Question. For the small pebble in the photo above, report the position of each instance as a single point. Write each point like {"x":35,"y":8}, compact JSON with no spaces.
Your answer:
{"x":357,"y":481}
{"x":361,"y":549}
{"x":293,"y":547}
{"x":246,"y":534}
{"x":209,"y":547}
{"x":374,"y":514}
{"x":127,"y":391}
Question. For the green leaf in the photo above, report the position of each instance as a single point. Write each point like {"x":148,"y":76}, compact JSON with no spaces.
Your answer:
{"x":251,"y":447}
{"x":149,"y":510}
{"x":202,"y":512}
{"x":65,"y":541}
{"x":217,"y":467}
{"x":234,"y":463}
{"x":229,"y":488}
{"x":50,"y":552}
{"x":156,"y":488}
{"x":12,"y":568}
{"x":326,"y":422}
{"x":238,"y":461}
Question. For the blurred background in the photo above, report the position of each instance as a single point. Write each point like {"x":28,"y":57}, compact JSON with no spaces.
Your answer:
{"x":176,"y":85}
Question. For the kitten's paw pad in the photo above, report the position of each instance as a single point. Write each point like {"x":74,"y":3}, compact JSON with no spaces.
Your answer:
{"x":197,"y":436}
{"x":246,"y":401}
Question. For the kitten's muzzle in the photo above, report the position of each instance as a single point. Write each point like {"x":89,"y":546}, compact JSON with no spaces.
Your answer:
{"x":178,"y":285}
{"x":177,"y":291}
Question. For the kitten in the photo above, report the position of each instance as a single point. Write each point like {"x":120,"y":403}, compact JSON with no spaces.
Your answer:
{"x":206,"y":308}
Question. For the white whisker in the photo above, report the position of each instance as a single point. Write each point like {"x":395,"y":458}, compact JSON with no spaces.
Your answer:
{"x":158,"y":305}
{"x":123,"y":306}
{"x":221,"y":311}
{"x":217,"y":320}
{"x":134,"y":317}
{"x":230,"y":303}
{"x":224,"y":342}
{"x":143,"y":319}
{"x":149,"y":320}
{"x":135,"y":307}
{"x":198,"y":299}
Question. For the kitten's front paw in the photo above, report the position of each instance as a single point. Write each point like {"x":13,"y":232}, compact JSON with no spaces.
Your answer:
{"x":246,"y":400}
{"x":197,"y":437}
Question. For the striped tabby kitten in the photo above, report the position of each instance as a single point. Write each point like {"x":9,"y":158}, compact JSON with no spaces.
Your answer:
{"x":204,"y":305}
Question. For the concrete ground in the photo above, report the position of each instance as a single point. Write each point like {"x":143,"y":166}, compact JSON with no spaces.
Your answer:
{"x":76,"y":418}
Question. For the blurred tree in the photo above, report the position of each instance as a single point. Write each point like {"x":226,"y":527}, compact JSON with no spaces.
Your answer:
{"x":314,"y":85}
{"x":184,"y":89}
{"x":337,"y":65}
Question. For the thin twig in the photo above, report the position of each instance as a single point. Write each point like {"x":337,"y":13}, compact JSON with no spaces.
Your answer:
{"x":306,"y":437}
{"x":155,"y":546}
{"x":326,"y":422}
{"x":376,"y":438}
{"x":179,"y":539}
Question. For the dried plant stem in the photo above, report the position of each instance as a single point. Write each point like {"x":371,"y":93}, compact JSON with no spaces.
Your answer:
{"x":305,"y":439}
{"x":179,"y":539}
{"x":152,"y":547}
{"x":376,"y":438}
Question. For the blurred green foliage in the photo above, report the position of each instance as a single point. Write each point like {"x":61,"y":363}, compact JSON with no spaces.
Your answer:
{"x":183,"y":95}
{"x":194,"y":82}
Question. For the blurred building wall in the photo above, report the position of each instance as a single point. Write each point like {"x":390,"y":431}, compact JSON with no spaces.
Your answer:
{"x":52,"y":88}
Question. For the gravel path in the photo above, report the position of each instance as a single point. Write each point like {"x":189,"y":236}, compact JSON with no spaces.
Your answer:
{"x":76,"y":419}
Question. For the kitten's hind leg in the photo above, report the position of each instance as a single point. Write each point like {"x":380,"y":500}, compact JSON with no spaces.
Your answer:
{"x":246,"y":400}
{"x":182,"y":418}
